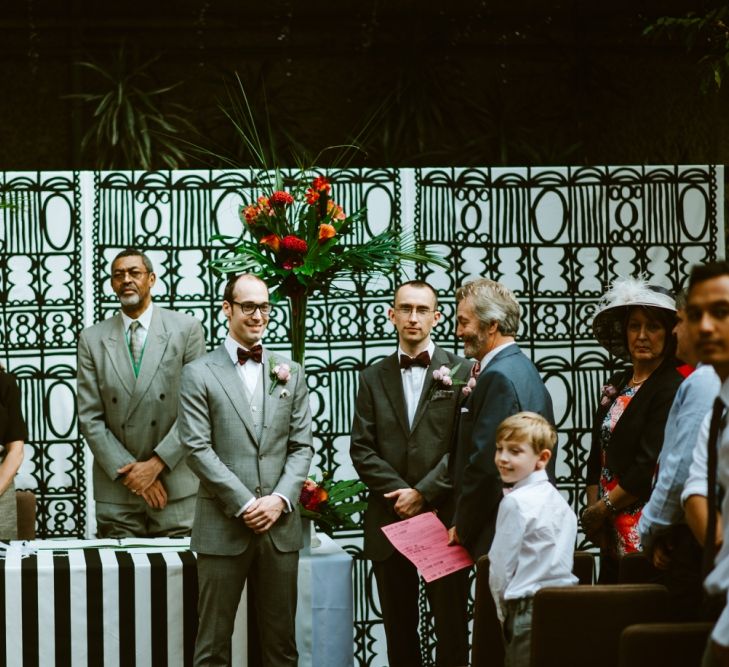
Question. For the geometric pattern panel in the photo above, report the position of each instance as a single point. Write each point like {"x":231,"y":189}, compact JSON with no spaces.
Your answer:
{"x":556,"y":236}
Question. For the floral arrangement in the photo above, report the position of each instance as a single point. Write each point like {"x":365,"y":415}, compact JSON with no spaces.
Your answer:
{"x":301,"y":241}
{"x":330,"y":504}
{"x":280,"y":374}
{"x":608,"y":394}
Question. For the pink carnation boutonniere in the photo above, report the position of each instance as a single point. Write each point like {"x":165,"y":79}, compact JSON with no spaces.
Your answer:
{"x":280,"y":374}
{"x":444,"y":380}
{"x":468,"y":387}
{"x":609,"y":392}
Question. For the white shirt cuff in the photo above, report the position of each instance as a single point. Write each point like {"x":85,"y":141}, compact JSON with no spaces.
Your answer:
{"x":245,"y":507}
{"x":287,"y":509}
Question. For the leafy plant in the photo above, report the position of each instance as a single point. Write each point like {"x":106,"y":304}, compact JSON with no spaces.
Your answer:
{"x":133,"y":125}
{"x":708,"y":33}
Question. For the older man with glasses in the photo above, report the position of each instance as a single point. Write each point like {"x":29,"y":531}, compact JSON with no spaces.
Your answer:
{"x":129,"y":369}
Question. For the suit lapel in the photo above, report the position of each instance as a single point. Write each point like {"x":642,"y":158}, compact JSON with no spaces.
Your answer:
{"x":439,"y":359}
{"x":223,"y":369}
{"x":116,"y":347}
{"x":392,"y":384}
{"x":154,"y":350}
{"x":269,"y":400}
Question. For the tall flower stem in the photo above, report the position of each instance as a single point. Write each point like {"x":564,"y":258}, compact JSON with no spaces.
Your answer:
{"x":297,"y":305}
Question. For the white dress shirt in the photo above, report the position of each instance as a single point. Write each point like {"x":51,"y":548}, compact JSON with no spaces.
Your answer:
{"x":718,"y":580}
{"x":413,"y":379}
{"x":250,"y":374}
{"x":534,"y":542}
{"x":490,"y":355}
{"x":145,"y":321}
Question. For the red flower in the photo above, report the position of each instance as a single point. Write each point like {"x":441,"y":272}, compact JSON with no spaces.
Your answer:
{"x":312,"y":196}
{"x":312,"y":496}
{"x":294,"y":244}
{"x":292,"y":263}
{"x":326,"y":232}
{"x":249,"y":213}
{"x":273,"y":241}
{"x":281,"y":198}
{"x":321,"y":184}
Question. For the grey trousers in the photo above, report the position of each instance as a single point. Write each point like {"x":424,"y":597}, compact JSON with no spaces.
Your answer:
{"x":271,"y":576}
{"x":518,"y":632}
{"x":137,"y":519}
{"x":8,"y":514}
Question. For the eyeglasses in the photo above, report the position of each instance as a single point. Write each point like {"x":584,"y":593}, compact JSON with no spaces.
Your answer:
{"x":420,"y":311}
{"x":248,"y":307}
{"x":134,"y":274}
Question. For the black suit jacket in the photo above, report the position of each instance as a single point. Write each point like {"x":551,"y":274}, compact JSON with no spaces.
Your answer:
{"x":389,"y":455}
{"x":510,"y":383}
{"x":637,"y":439}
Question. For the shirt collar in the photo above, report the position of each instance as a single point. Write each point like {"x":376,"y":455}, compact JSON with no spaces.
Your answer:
{"x":145,"y":319}
{"x":490,"y":355}
{"x":532,"y":478}
{"x":430,"y":349}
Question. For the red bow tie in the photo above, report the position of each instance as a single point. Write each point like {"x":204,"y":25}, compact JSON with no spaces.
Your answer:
{"x":423,"y":359}
{"x":254,"y":353}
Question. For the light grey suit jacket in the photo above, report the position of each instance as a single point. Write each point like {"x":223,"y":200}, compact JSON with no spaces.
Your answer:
{"x":126,"y":419}
{"x":216,"y":428}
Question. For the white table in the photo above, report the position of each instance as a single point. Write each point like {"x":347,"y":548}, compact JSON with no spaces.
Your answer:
{"x":111,"y":603}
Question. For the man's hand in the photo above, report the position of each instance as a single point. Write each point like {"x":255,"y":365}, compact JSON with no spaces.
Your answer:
{"x":155,"y":496}
{"x":408,"y":502}
{"x":453,"y":538}
{"x":661,"y":554}
{"x":140,"y":475}
{"x":263,"y":513}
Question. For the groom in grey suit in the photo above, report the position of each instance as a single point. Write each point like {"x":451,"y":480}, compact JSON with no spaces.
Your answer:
{"x":129,"y":369}
{"x":246,"y":423}
{"x":400,"y":441}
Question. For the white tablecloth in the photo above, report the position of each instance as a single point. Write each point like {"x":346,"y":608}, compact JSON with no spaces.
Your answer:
{"x":134,"y":602}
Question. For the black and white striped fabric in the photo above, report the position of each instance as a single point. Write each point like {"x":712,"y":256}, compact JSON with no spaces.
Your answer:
{"x":98,"y":607}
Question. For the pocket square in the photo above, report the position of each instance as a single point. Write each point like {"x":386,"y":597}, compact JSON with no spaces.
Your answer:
{"x":442,"y":393}
{"x":464,"y":410}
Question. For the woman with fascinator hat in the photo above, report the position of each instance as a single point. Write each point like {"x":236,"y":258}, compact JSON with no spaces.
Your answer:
{"x":634,"y":322}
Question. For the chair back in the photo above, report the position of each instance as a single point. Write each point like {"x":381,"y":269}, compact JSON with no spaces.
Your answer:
{"x":573,"y":626}
{"x":25,"y":503}
{"x":584,"y":567}
{"x":663,"y":644}
{"x":636,"y":568}
{"x":487,"y":642}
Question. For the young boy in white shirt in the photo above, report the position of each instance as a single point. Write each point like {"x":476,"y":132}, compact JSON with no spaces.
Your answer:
{"x":535,"y":530}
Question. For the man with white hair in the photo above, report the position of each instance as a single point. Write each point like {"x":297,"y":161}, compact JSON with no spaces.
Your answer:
{"x":507,"y":382}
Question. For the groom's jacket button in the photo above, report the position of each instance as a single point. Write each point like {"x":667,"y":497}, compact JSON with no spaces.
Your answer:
{"x":260,"y":456}
{"x":258,"y":490}
{"x":154,"y":423}
{"x":161,"y":397}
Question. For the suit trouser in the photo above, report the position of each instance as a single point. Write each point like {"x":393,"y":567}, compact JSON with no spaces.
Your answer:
{"x":398,"y":585}
{"x":137,"y":519}
{"x":271,"y":576}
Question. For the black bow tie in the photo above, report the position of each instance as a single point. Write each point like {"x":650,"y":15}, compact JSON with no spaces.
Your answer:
{"x":254,"y":353}
{"x":423,"y":359}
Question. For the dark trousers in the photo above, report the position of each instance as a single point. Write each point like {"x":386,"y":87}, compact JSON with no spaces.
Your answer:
{"x":398,"y":584}
{"x":683,"y":577}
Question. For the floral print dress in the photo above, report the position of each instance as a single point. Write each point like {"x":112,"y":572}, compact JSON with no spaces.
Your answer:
{"x":625,"y":538}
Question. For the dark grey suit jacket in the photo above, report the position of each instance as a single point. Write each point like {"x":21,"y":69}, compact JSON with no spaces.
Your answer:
{"x":510,"y":383}
{"x":389,"y":455}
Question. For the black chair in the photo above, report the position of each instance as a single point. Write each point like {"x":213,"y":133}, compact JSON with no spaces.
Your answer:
{"x":663,"y":644}
{"x":487,"y":641}
{"x":573,"y":626}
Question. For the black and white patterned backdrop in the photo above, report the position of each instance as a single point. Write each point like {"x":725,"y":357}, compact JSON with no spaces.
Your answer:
{"x":556,"y":236}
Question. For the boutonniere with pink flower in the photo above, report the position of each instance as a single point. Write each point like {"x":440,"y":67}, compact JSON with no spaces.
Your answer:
{"x":469,"y":386}
{"x":444,"y":379}
{"x":608,"y":394}
{"x":280,"y":374}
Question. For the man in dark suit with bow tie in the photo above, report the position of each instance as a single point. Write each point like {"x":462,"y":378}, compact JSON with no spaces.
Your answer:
{"x":508,"y":382}
{"x":246,"y":423}
{"x":400,"y":441}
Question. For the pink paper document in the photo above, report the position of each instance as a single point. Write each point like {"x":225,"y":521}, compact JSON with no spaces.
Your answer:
{"x":423,"y":540}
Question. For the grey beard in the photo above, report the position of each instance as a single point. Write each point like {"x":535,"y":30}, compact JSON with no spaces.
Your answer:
{"x":131,"y":300}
